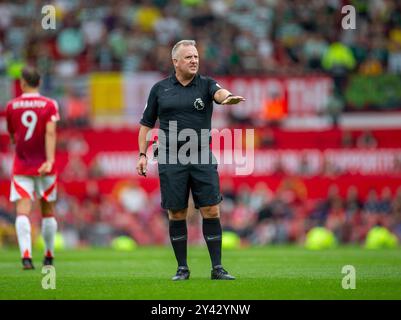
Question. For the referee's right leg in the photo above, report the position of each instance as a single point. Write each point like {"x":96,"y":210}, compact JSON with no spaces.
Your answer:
{"x":174,"y":189}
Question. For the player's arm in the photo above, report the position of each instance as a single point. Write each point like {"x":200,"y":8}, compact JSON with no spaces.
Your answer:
{"x":50,"y":148}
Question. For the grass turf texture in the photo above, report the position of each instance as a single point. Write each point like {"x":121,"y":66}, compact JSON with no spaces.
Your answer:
{"x":271,"y":272}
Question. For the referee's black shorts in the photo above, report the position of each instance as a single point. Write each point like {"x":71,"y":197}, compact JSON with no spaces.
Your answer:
{"x":177,"y":180}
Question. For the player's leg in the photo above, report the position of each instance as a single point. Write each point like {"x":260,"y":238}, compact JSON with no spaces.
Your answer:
{"x":174,"y":189}
{"x":23,"y":227}
{"x":22,"y":193}
{"x":49,"y":230}
{"x":206,"y":193}
{"x":46,"y":189}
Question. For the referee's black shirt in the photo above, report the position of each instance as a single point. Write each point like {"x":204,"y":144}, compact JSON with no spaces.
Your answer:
{"x":190,"y":106}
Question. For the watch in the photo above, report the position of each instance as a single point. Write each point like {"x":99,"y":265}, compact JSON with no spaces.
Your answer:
{"x":142,"y":154}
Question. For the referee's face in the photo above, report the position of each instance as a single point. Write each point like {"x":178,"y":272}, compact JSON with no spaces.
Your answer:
{"x":187,"y":61}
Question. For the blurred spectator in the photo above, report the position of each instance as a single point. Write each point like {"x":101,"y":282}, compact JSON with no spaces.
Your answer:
{"x":385,"y":207}
{"x":352,"y":208}
{"x":95,"y":170}
{"x":76,"y":143}
{"x":347,"y":139}
{"x":92,"y":193}
{"x":260,"y":196}
{"x":242,"y":219}
{"x":6,"y":213}
{"x":304,"y":168}
{"x":338,"y":60}
{"x":371,"y":205}
{"x":76,"y":109}
{"x":334,"y":108}
{"x":394,"y":59}
{"x":229,"y":196}
{"x":265,"y":138}
{"x":336,"y":218}
{"x":168,"y":27}
{"x":366,"y":140}
{"x":273,"y":111}
{"x":147,"y":16}
{"x":133,"y":198}
{"x":314,"y":48}
{"x":324,"y":207}
{"x":281,"y":212}
{"x":396,"y":214}
{"x":75,"y":170}
{"x":244,"y":194}
{"x":397,"y":165}
{"x":371,"y":209}
{"x":352,"y":204}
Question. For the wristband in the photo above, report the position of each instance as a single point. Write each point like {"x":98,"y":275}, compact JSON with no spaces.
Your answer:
{"x":142,"y":154}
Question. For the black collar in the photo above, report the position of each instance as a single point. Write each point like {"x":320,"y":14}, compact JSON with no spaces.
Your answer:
{"x":193,"y":82}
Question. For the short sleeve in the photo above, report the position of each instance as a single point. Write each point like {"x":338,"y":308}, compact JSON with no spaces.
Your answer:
{"x":52,"y":114}
{"x":150,"y":113}
{"x":10,"y":127}
{"x":213,"y":88}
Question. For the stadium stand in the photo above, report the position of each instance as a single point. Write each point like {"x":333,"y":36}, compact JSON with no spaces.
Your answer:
{"x":100,"y":59}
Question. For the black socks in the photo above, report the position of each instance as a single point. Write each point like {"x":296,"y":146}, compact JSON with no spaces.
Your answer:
{"x":213,"y":233}
{"x":178,"y":237}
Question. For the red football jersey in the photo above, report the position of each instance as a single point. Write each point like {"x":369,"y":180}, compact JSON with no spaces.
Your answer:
{"x":27,"y":117}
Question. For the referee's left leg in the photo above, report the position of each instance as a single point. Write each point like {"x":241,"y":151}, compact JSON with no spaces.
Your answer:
{"x":212,"y":233}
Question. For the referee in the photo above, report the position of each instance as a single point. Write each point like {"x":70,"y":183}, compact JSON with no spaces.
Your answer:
{"x":182,"y":101}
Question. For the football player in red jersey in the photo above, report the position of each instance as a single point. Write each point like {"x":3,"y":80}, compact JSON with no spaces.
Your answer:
{"x":31,"y":123}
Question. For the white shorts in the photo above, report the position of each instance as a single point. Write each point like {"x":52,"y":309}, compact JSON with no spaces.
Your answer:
{"x":41,"y":187}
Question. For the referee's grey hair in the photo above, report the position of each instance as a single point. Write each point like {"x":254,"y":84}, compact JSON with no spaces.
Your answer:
{"x":179,"y":44}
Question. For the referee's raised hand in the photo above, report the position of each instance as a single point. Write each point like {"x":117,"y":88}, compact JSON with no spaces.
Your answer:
{"x":141,"y":165}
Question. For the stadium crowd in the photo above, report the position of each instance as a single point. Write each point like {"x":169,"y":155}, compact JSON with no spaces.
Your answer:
{"x":234,"y":36}
{"x":258,"y":215}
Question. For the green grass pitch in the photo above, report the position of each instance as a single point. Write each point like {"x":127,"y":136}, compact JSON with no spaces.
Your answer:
{"x":271,"y":272}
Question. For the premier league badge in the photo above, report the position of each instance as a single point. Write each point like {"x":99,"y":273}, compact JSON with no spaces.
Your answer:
{"x":198,"y":104}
